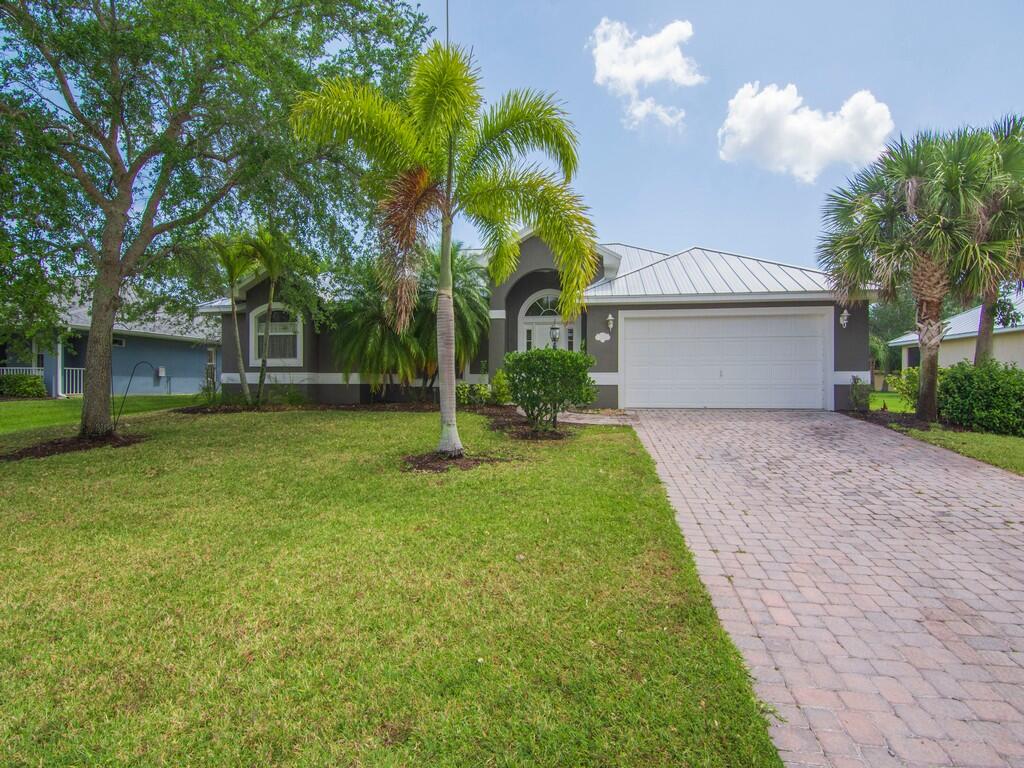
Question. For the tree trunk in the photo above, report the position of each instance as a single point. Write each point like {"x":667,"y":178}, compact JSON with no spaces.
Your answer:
{"x":986,"y":326}
{"x":240,"y":359}
{"x":266,"y":345}
{"x":96,"y":420}
{"x":450,"y":445}
{"x":930,"y":284}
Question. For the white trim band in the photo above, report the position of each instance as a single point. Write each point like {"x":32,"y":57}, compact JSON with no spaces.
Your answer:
{"x":496,"y":314}
{"x":605,"y":378}
{"x":314,"y":378}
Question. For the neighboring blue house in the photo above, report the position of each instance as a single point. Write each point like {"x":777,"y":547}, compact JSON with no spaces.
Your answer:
{"x":168,"y":354}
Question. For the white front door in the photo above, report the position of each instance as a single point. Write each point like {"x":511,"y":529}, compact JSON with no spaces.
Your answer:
{"x":536,"y":332}
{"x":540,"y":325}
{"x":725,"y":359}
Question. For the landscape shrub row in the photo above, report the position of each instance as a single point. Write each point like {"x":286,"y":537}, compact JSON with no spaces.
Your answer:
{"x":22,"y":385}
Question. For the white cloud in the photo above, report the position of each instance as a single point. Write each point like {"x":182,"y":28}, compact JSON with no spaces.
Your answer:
{"x":774,"y":129}
{"x":626,"y":63}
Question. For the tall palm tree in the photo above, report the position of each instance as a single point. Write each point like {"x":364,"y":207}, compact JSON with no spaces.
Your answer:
{"x":274,"y":256}
{"x":236,"y":262}
{"x":472,"y":311}
{"x":995,"y":227}
{"x":439,"y":154}
{"x":367,"y":342}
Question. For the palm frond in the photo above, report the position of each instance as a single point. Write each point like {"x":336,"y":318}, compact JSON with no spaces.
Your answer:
{"x":556,"y":213}
{"x":521,"y":122}
{"x":444,"y":94}
{"x":343,"y":111}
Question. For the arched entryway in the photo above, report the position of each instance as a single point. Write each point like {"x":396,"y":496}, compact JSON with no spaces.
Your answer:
{"x":540,"y":324}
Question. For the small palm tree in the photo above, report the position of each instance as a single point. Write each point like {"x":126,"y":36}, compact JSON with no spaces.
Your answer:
{"x":275,"y":257}
{"x":472,"y":311}
{"x":236,"y":263}
{"x":912,"y":218}
{"x":993,"y":214}
{"x":439,"y":154}
{"x":367,"y":342}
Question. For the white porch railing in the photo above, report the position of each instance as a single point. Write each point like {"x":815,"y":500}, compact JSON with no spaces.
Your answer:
{"x":24,"y":370}
{"x":74,"y":381}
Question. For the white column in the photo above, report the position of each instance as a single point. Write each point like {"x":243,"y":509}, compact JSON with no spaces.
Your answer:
{"x":59,"y":389}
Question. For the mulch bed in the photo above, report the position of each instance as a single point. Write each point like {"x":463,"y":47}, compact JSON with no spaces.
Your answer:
{"x":436,"y":462}
{"x":891,"y":419}
{"x":71,"y":445}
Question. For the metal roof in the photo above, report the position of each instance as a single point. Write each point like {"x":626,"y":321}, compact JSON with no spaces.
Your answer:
{"x":963,"y":326}
{"x":158,"y":325}
{"x":647,"y":274}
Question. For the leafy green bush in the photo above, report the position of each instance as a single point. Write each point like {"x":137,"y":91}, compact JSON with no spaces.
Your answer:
{"x":472,"y":394}
{"x":22,"y":385}
{"x":544,"y":382}
{"x":500,"y":393}
{"x":906,"y":384}
{"x":860,"y":394}
{"x":987,"y":398}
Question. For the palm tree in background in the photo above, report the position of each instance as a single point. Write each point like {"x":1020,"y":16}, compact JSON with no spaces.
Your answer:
{"x":911,"y":218}
{"x":439,"y":154}
{"x":472,"y":311}
{"x":236,"y":262}
{"x":274,"y":257}
{"x":367,"y":342}
{"x":993,"y":213}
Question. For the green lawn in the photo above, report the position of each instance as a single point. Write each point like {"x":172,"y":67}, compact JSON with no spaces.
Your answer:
{"x":893,"y":402}
{"x":271,"y":589}
{"x":1000,"y":450}
{"x":16,"y":415}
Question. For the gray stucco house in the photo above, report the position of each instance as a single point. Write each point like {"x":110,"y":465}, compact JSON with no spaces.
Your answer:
{"x":694,"y":329}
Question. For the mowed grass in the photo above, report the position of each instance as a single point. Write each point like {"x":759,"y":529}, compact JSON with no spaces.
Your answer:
{"x":272,"y":589}
{"x":1001,"y":450}
{"x":16,"y":415}
{"x":892,"y":401}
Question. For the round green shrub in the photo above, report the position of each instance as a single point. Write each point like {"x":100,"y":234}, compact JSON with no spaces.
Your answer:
{"x":544,"y":382}
{"x":22,"y":385}
{"x":985,"y":398}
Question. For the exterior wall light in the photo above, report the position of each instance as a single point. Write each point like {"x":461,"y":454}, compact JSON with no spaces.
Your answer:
{"x":844,"y":319}
{"x":610,"y":322}
{"x":554,"y":332}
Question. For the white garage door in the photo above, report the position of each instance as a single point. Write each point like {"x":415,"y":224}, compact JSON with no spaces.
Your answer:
{"x":712,"y":360}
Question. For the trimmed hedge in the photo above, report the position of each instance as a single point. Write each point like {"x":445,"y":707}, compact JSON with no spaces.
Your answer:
{"x":22,"y":385}
{"x":986,"y":398}
{"x":544,"y":382}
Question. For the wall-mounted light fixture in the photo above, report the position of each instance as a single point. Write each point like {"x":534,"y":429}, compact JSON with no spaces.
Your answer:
{"x":844,"y":319}
{"x":554,"y":332}
{"x":610,"y":322}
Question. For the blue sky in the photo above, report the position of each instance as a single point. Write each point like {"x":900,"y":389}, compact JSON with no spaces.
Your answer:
{"x":660,"y":182}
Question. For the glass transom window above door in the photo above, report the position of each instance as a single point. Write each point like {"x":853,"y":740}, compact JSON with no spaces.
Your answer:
{"x":541,"y":326}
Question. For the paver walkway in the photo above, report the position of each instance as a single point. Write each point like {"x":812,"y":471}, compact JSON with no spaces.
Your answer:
{"x":874,"y":583}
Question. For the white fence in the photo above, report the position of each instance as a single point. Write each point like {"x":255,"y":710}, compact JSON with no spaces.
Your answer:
{"x":74,"y":381}
{"x":30,"y":371}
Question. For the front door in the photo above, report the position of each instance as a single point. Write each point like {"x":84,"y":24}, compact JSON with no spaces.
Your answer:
{"x":541,"y":326}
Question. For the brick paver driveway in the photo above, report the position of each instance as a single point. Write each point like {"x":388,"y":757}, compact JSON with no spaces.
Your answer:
{"x":874,"y":583}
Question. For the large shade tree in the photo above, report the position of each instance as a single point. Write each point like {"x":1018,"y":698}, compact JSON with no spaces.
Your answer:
{"x":439,"y":154}
{"x":158,"y":112}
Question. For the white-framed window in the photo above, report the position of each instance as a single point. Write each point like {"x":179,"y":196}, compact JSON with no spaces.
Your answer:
{"x":285,"y":348}
{"x":211,"y":356}
{"x":117,"y":341}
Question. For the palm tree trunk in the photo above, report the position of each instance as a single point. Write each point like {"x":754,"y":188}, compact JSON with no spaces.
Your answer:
{"x":986,"y":326}
{"x":260,"y":388}
{"x":450,"y":445}
{"x":239,"y":358}
{"x":930,"y":284}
